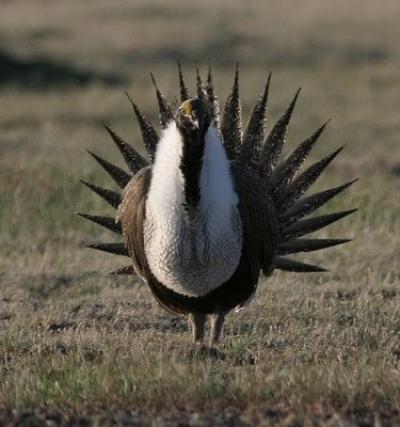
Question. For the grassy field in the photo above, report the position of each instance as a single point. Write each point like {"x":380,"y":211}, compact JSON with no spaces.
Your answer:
{"x":78,"y":346}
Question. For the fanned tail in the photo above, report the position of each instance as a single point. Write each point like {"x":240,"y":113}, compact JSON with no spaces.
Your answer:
{"x":287,"y":188}
{"x":263,"y":155}
{"x":135,"y":163}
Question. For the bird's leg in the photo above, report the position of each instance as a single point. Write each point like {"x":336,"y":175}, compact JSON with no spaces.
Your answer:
{"x":197,"y":322}
{"x":217,"y":323}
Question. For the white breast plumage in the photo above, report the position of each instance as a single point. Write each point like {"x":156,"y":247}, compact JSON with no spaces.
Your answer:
{"x":192,"y":259}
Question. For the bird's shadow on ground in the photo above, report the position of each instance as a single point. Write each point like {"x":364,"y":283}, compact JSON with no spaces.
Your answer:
{"x":204,"y":352}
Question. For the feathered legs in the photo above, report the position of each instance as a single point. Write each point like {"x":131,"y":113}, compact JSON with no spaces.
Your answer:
{"x":217,"y":324}
{"x":197,"y":322}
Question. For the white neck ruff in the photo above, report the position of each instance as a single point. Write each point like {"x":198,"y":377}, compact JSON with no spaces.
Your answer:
{"x":192,"y":259}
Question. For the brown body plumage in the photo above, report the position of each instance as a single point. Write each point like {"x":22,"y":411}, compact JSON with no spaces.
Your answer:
{"x":269,"y":190}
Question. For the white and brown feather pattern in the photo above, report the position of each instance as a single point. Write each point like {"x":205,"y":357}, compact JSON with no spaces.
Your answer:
{"x":195,"y":255}
{"x":192,"y":260}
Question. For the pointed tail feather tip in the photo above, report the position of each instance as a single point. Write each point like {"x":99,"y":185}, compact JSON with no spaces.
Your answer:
{"x":304,"y":181}
{"x":309,"y":225}
{"x":308,"y":245}
{"x":104,"y":221}
{"x":112,"y":248}
{"x":154,"y":81}
{"x":149,"y":134}
{"x":231,"y":123}
{"x":209,"y":73}
{"x":132,"y":158}
{"x":310,"y":204}
{"x":283,"y":174}
{"x":116,"y":173}
{"x":183,"y":90}
{"x":253,"y":136}
{"x":290,"y":265}
{"x":272,"y":147}
{"x":165,"y":111}
{"x":200,"y":89}
{"x":111,"y":197}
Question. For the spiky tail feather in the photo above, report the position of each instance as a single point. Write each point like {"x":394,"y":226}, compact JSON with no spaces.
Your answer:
{"x":253,"y":150}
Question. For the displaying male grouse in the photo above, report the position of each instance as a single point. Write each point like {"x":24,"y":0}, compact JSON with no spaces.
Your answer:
{"x":213,"y":206}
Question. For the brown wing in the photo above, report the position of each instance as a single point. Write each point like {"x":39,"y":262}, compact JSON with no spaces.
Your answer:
{"x":260,"y":225}
{"x":131,"y":213}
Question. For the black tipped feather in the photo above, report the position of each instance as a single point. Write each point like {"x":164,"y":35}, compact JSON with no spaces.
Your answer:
{"x":112,"y":248}
{"x":213,"y":101}
{"x":254,"y":134}
{"x":149,"y":135}
{"x":104,"y":221}
{"x":200,"y":90}
{"x":113,"y":198}
{"x":304,"y":181}
{"x":284,"y":173}
{"x":132,"y":158}
{"x":272,"y":147}
{"x":165,"y":110}
{"x":123,"y":270}
{"x":310,"y":204}
{"x":231,"y":125}
{"x":117,"y":174}
{"x":308,"y":245}
{"x":287,"y":264}
{"x":305,"y":226}
{"x":183,"y":90}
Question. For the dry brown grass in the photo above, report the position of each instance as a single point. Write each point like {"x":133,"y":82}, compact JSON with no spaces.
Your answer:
{"x":316,"y":349}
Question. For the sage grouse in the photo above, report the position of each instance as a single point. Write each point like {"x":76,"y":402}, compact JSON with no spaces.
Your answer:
{"x":213,"y":206}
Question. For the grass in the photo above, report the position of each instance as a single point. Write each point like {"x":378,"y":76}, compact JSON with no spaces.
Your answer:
{"x":75,"y":342}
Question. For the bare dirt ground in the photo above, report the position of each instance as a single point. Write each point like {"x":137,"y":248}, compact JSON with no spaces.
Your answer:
{"x":79,"y":347}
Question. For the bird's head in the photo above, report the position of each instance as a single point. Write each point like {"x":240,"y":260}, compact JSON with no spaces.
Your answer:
{"x":193,"y":116}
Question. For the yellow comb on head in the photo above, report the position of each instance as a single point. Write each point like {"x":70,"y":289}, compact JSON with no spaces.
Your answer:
{"x":187,"y":107}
